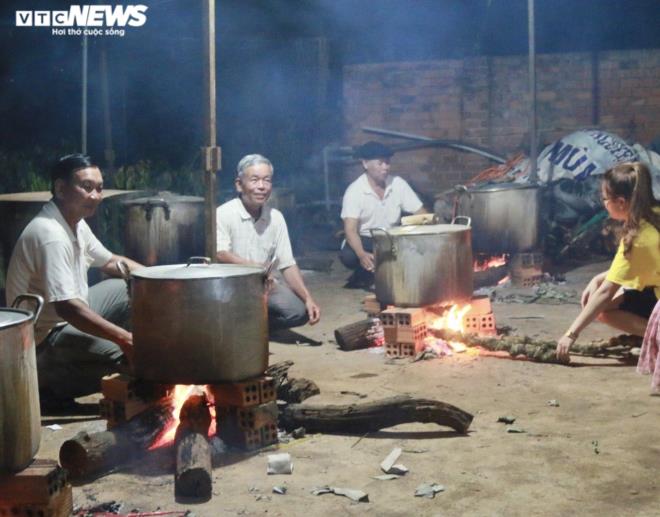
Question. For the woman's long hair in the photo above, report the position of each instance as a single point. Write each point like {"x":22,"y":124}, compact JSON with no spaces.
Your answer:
{"x":632,"y":181}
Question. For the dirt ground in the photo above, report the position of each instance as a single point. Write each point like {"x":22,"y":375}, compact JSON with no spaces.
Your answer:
{"x":594,"y":454}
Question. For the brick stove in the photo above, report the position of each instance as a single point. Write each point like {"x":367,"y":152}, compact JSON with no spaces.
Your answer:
{"x":406,"y":329}
{"x":246,"y":412}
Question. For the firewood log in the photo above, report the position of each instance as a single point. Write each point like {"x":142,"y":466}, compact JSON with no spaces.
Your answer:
{"x":193,"y":477}
{"x":360,"y":418}
{"x":543,"y":351}
{"x":88,"y":455}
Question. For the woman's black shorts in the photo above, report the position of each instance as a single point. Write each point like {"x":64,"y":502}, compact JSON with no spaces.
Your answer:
{"x":639,"y":302}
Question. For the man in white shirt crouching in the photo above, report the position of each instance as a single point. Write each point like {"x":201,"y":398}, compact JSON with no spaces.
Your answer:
{"x":375,"y":200}
{"x":250,"y":232}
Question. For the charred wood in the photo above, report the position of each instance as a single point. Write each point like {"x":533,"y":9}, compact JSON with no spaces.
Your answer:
{"x":88,"y":455}
{"x":358,"y":335}
{"x":360,"y":418}
{"x":291,"y":390}
{"x":193,"y":477}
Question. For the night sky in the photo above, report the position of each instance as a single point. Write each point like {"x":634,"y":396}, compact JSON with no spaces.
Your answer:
{"x":267,"y":50}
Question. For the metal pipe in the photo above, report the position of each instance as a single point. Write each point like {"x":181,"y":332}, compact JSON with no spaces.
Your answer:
{"x":210,"y":153}
{"x":83,"y":121}
{"x":533,"y":151}
{"x":423,"y":141}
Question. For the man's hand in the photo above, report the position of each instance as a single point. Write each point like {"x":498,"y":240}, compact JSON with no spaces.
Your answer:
{"x":367,"y":261}
{"x":125,"y":342}
{"x":563,"y":346}
{"x":313,"y":311}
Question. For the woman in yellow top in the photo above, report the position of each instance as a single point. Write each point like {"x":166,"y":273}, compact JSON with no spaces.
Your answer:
{"x":628,"y":196}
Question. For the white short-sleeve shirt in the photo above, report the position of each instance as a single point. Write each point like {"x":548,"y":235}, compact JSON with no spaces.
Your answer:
{"x":51,"y":260}
{"x":257,"y":240}
{"x":362,"y":203}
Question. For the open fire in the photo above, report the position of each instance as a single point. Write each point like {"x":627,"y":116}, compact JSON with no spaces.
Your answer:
{"x":485,"y":263}
{"x":180,"y":395}
{"x":452,"y":319}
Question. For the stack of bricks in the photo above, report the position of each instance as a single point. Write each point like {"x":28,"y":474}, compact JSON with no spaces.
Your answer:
{"x":40,"y":490}
{"x":405,"y":330}
{"x":246,"y":412}
{"x":526,"y":269}
{"x":121,"y":400}
{"x":479,"y":319}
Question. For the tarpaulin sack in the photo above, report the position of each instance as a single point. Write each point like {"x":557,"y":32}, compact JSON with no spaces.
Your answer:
{"x":582,"y":154}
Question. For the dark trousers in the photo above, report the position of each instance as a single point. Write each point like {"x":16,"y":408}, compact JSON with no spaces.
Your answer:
{"x":348,"y":257}
{"x":70,"y":363}
{"x":285,"y":309}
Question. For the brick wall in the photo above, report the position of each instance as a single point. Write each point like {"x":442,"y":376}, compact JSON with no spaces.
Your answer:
{"x":483,"y":101}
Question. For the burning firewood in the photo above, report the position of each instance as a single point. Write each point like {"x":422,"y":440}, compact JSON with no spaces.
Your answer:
{"x":87,"y":455}
{"x":541,"y":351}
{"x":361,"y":334}
{"x":368,"y":417}
{"x":193,"y":476}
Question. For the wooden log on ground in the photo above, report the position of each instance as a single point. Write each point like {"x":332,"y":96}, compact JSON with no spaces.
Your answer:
{"x":359,"y":335}
{"x":366,"y":417}
{"x":87,"y":455}
{"x":193,"y":476}
{"x":543,"y":351}
{"x":291,"y":390}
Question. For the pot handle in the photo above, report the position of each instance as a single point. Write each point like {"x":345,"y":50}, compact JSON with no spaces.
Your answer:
{"x":151,"y":204}
{"x":198,"y":260}
{"x":389,"y":238}
{"x":38,"y":300}
{"x":465,"y":217}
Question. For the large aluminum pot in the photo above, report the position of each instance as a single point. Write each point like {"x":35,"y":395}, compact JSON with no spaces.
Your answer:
{"x":505,"y":216}
{"x":20,"y":416}
{"x":164,"y":229}
{"x":423,"y":265}
{"x":199,"y":323}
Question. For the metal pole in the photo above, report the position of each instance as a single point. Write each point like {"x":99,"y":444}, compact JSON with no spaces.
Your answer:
{"x":210,"y":152}
{"x":107,"y":120}
{"x":533,"y":151}
{"x":83,"y":122}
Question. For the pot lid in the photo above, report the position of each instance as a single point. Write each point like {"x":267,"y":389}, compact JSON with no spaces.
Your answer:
{"x":12,"y":317}
{"x":495,"y":187}
{"x":196,"y":271}
{"x":426,"y":229}
{"x":163,"y":196}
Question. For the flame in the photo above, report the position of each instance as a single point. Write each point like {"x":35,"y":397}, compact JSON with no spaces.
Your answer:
{"x":504,"y":280}
{"x":483,"y":265}
{"x":452,"y":319}
{"x":179,"y":396}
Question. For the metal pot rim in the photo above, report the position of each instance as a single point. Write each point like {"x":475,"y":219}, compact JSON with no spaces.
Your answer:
{"x":196,"y":271}
{"x":165,"y":195}
{"x":426,"y":229}
{"x":13,"y":317}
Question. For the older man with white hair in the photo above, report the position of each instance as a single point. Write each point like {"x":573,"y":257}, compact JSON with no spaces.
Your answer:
{"x":250,"y":232}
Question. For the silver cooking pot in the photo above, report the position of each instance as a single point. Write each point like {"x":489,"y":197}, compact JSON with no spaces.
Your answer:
{"x":164,"y":229}
{"x":505,"y":216}
{"x":423,"y":265}
{"x":20,"y":416}
{"x":199,"y":323}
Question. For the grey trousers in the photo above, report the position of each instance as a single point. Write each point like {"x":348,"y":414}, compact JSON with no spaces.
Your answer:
{"x":285,"y":309}
{"x":70,"y":363}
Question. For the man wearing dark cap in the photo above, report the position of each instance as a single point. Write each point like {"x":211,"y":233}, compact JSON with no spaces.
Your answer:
{"x":374,"y":200}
